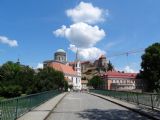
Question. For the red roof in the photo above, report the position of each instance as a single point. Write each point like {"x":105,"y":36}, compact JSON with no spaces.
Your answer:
{"x":116,"y":74}
{"x":63,"y":68}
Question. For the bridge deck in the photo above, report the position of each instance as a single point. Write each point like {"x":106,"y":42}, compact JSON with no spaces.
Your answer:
{"x":82,"y":106}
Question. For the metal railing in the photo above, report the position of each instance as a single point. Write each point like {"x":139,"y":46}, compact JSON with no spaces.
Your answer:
{"x":13,"y":108}
{"x":147,"y":99}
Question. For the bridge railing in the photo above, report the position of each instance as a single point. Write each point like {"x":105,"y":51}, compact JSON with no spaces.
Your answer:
{"x":11,"y":109}
{"x":147,"y":99}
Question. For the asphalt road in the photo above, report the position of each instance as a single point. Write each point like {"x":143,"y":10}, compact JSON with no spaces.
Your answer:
{"x":82,"y":106}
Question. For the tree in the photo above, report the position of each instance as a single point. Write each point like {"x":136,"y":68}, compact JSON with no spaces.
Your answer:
{"x":48,"y":79}
{"x":110,"y":66}
{"x":96,"y":82}
{"x":15,"y":79}
{"x":65,"y":85}
{"x":59,"y":79}
{"x":25,"y":78}
{"x":151,"y":67}
{"x":44,"y":80}
{"x":11,"y":91}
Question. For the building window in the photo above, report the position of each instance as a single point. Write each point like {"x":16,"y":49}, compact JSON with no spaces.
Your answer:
{"x":76,"y":80}
{"x":120,"y":81}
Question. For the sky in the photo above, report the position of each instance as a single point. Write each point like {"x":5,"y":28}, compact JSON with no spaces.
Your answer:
{"x":32,"y":30}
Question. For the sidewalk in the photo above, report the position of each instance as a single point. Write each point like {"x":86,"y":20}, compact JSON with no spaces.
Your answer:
{"x":42,"y":111}
{"x":140,"y":109}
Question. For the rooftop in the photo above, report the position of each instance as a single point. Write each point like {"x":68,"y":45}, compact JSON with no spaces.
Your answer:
{"x":63,"y":68}
{"x":117,"y":74}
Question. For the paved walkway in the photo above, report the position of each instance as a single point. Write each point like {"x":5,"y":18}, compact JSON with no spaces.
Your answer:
{"x":144,"y":110}
{"x":83,"y":106}
{"x":42,"y":111}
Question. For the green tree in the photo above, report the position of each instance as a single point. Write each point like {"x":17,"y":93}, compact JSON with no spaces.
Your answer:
{"x":15,"y":79}
{"x":59,"y":79}
{"x":151,"y":67}
{"x":44,"y":80}
{"x":65,"y":85}
{"x":110,"y":66}
{"x":48,"y":79}
{"x":11,"y":91}
{"x":96,"y":82}
{"x":8,"y":71}
{"x":25,"y":78}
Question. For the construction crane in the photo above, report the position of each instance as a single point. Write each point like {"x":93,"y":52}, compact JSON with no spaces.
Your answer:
{"x":126,"y":53}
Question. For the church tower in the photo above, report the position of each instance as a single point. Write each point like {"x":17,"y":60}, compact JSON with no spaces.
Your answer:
{"x":77,"y":66}
{"x":60,"y":56}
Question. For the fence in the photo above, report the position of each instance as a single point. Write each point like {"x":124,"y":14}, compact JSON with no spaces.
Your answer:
{"x":147,"y":99}
{"x":11,"y":109}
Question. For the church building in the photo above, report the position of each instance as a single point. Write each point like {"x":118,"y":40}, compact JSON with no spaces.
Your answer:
{"x":60,"y":63}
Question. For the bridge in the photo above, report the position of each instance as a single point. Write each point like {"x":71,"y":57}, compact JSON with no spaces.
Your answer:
{"x":95,"y":105}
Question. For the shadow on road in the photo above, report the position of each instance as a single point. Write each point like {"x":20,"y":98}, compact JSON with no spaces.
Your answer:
{"x":112,"y":114}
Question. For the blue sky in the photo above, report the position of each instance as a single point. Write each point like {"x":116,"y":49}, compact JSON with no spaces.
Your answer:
{"x":129,"y":25}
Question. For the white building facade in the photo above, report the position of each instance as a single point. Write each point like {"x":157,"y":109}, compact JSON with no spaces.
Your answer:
{"x":71,"y":73}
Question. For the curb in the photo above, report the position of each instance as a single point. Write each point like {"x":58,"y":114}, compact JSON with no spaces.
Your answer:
{"x":55,"y":106}
{"x":132,"y":109}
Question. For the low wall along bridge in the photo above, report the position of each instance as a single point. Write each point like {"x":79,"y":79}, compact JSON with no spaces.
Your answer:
{"x":93,"y":105}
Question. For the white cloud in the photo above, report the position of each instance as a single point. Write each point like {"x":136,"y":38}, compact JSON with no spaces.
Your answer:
{"x":5,"y":40}
{"x":91,"y":53}
{"x":86,"y":12}
{"x":73,"y":48}
{"x":40,"y":65}
{"x":128,"y":69}
{"x":81,"y":34}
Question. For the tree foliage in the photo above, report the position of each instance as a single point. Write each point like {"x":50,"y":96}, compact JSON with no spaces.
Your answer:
{"x":151,"y":67}
{"x":110,"y":66}
{"x":96,"y":82}
{"x":16,"y":79}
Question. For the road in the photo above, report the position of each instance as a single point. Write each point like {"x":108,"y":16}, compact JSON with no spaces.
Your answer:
{"x":83,"y":106}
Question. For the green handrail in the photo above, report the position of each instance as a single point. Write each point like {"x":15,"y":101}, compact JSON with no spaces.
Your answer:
{"x":148,"y":99}
{"x":13,"y":108}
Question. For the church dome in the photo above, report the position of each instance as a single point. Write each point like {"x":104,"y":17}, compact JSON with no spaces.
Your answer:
{"x":61,"y":50}
{"x":102,"y":57}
